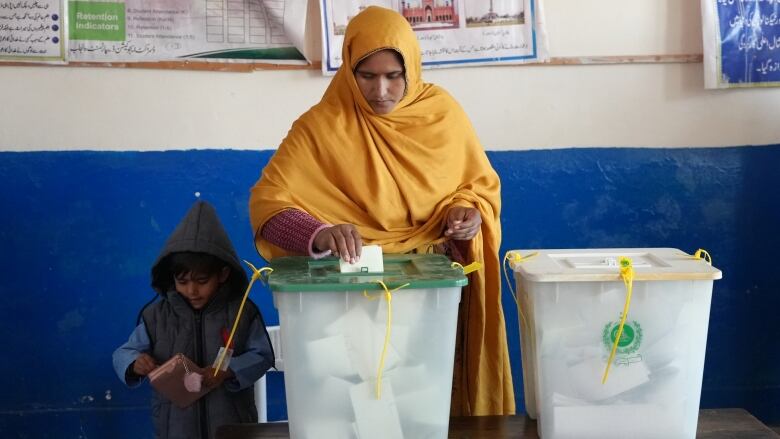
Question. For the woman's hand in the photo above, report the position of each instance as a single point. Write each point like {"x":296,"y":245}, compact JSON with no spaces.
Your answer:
{"x":144,"y":364}
{"x":463,"y":223}
{"x":342,"y":240}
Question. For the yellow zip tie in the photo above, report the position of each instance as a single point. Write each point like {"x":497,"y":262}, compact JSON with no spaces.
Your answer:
{"x":389,"y":297}
{"x":472,"y":267}
{"x":255,"y":275}
{"x":627,"y":274}
{"x":516,"y":258}
{"x":703,"y":254}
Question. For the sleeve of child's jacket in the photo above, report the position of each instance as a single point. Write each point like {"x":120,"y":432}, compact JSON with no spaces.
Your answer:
{"x":254,"y":362}
{"x":127,"y":353}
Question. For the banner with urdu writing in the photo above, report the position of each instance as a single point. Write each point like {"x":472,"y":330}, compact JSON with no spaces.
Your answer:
{"x":32,"y":30}
{"x":741,"y":43}
{"x":451,"y":33}
{"x":153,"y":30}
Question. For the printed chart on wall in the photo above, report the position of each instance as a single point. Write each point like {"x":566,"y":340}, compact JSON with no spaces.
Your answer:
{"x":32,"y":30}
{"x":741,"y":43}
{"x":152,"y":30}
{"x":452,"y":33}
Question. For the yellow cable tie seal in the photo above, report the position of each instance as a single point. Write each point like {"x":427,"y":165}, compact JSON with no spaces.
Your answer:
{"x":472,"y":267}
{"x":517,"y":257}
{"x":627,"y":274}
{"x":702,"y":254}
{"x":389,"y":296}
{"x":514,"y":257}
{"x":256,"y":274}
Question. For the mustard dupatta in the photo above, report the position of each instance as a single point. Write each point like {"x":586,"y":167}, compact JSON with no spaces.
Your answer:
{"x":394,"y":176}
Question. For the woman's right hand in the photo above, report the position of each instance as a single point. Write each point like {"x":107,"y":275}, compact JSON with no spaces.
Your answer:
{"x":342,"y":240}
{"x":144,"y":364}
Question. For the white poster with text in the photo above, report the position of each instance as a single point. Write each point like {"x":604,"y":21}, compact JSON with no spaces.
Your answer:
{"x":158,"y":30}
{"x":32,"y":31}
{"x":452,"y":33}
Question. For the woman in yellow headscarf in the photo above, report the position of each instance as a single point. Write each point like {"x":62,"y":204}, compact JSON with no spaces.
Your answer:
{"x":387,"y":159}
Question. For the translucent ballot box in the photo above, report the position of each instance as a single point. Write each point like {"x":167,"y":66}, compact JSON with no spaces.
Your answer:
{"x":571,"y":303}
{"x":340,"y":333}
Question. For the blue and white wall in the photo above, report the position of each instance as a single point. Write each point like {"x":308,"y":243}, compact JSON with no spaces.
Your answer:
{"x":98,"y":165}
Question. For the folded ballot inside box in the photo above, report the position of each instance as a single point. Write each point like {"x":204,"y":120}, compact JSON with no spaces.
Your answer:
{"x":180,"y":380}
{"x":342,"y":331}
{"x":573,"y":303}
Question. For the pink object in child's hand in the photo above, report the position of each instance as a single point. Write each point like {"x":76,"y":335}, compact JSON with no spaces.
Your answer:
{"x":193,"y":381}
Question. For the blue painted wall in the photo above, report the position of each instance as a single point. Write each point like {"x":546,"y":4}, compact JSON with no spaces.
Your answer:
{"x":79,"y":231}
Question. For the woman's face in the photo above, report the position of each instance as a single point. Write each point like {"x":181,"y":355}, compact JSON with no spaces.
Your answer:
{"x":381,"y":79}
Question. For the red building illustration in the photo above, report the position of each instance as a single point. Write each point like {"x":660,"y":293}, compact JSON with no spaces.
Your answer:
{"x":430,"y":13}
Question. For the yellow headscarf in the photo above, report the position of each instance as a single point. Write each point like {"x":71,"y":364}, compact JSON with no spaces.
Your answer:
{"x":394,"y":176}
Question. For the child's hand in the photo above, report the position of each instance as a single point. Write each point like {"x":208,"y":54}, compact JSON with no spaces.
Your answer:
{"x":144,"y":364}
{"x":209,"y":380}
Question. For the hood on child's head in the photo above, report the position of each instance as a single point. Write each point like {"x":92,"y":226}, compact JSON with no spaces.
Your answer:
{"x":199,"y":231}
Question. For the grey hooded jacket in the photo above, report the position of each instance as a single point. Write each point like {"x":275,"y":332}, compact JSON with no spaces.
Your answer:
{"x":175,"y":327}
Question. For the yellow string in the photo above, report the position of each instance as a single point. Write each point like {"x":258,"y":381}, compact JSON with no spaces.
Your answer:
{"x":472,"y":267}
{"x":516,"y":258}
{"x":255,"y":275}
{"x":627,"y":274}
{"x":389,"y":297}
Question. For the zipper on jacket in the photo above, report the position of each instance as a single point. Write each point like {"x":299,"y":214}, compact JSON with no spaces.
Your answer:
{"x":204,"y":424}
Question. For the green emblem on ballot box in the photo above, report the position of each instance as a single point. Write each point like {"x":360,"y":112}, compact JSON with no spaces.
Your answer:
{"x":630,"y":339}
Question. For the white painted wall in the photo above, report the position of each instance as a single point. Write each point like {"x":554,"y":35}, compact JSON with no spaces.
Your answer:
{"x":623,"y":27}
{"x":517,"y":107}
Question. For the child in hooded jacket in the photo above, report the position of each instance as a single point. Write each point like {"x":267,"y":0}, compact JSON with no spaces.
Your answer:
{"x":200,"y":283}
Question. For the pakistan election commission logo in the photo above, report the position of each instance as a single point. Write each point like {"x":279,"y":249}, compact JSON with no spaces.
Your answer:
{"x":630,"y":339}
